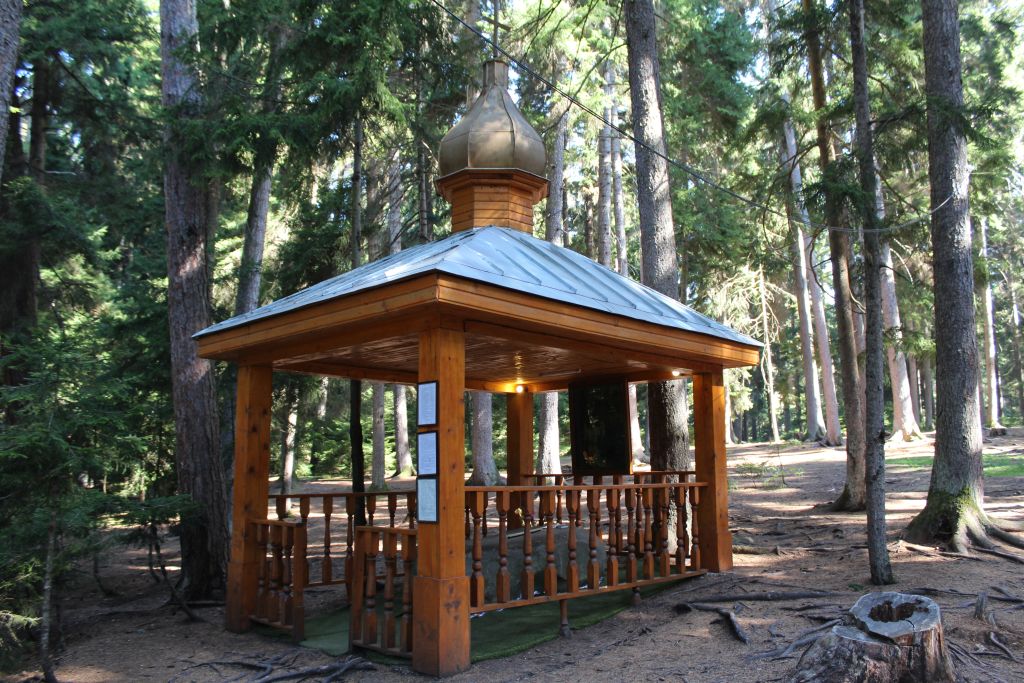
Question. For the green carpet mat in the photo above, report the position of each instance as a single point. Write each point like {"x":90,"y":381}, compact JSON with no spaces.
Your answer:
{"x":495,"y":634}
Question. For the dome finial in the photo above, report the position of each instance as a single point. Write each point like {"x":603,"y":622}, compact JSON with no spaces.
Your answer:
{"x":493,"y":152}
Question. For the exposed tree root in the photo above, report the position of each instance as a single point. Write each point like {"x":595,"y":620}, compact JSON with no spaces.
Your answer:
{"x":728,"y":616}
{"x":806,"y":638}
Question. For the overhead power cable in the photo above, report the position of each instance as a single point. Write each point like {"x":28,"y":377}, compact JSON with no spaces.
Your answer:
{"x":697,"y":175}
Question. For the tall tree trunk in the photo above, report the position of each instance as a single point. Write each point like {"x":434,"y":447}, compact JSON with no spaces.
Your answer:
{"x":548,"y":447}
{"x":251,"y":268}
{"x":618,"y":201}
{"x":854,"y":493}
{"x":797,"y":210}
{"x":1018,"y":356}
{"x":320,"y":413}
{"x":622,"y":248}
{"x":833,"y":429}
{"x":379,"y":437}
{"x":10,"y":30}
{"x":356,"y":386}
{"x":904,"y":424}
{"x":604,"y":181}
{"x":914,"y":375}
{"x":878,"y":553}
{"x":769,"y":369}
{"x":953,"y":510}
{"x":204,"y":537}
{"x":46,"y":608}
{"x":666,"y":401}
{"x":928,"y":392}
{"x":485,"y":472}
{"x":355,"y":437}
{"x":815,"y":427}
{"x":356,"y":205}
{"x":403,"y":456}
{"x":549,"y":443}
{"x":995,"y":427}
{"x":289,"y":427}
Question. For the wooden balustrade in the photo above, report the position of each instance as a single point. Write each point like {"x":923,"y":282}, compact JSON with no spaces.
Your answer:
{"x":384,"y":556}
{"x":651,"y":541}
{"x":330,"y":556}
{"x":282,"y":575}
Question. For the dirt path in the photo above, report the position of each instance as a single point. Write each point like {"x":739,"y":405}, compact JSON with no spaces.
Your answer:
{"x":133,"y":638}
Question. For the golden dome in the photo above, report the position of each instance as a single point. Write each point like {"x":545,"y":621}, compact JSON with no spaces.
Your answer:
{"x":493,"y":135}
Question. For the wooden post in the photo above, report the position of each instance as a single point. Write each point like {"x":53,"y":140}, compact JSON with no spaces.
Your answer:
{"x":249,"y":498}
{"x":519,"y":439}
{"x":712,"y":517}
{"x":440,"y":645}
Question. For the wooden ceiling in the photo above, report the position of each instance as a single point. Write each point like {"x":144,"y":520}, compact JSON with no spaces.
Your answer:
{"x":492,"y":363}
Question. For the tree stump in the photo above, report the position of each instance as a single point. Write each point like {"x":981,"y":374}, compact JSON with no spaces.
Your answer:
{"x":885,"y":638}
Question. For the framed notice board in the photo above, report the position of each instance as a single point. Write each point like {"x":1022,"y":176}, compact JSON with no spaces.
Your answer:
{"x":599,"y":428}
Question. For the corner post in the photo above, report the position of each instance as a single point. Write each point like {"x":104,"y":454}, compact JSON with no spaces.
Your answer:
{"x":441,"y":588}
{"x":519,"y":438}
{"x":709,"y":448}
{"x":250,"y":490}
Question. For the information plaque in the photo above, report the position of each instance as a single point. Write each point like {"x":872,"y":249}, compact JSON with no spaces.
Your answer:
{"x":426,"y":500}
{"x":426,"y":453}
{"x":426,"y":404}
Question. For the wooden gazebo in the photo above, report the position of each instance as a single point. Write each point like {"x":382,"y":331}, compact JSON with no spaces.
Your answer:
{"x":488,"y":308}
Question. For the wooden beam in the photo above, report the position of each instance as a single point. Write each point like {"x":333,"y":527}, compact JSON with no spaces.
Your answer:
{"x":715,"y":540}
{"x":333,"y":314}
{"x":441,"y":587}
{"x":321,"y":368}
{"x":249,"y":495}
{"x":490,"y":303}
{"x":519,"y":440}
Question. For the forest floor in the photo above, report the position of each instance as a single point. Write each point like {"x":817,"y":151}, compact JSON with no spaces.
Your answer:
{"x":774,"y":499}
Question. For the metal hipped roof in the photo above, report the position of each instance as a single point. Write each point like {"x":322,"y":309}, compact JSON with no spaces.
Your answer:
{"x":513,"y":260}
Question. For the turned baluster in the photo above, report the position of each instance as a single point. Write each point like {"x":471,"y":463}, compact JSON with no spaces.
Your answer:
{"x":371,"y":540}
{"x":559,"y":481}
{"x":694,"y":547}
{"x":371,"y":507}
{"x":572,"y":570}
{"x":503,"y":581}
{"x":300,"y":577}
{"x":410,"y":506}
{"x":390,"y":556}
{"x":648,"y":534}
{"x":527,"y":583}
{"x":284,"y":598}
{"x":280,"y":508}
{"x":392,"y":508}
{"x":594,"y":508}
{"x":611,"y":498}
{"x":326,"y":564}
{"x":630,"y":497}
{"x":548,"y":503}
{"x":304,"y":503}
{"x":682,"y":542}
{"x":483,"y":512}
{"x":263,"y":582}
{"x":350,"y":513}
{"x":408,"y":556}
{"x":665,"y":513}
{"x":276,"y":576}
{"x":476,"y":580}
